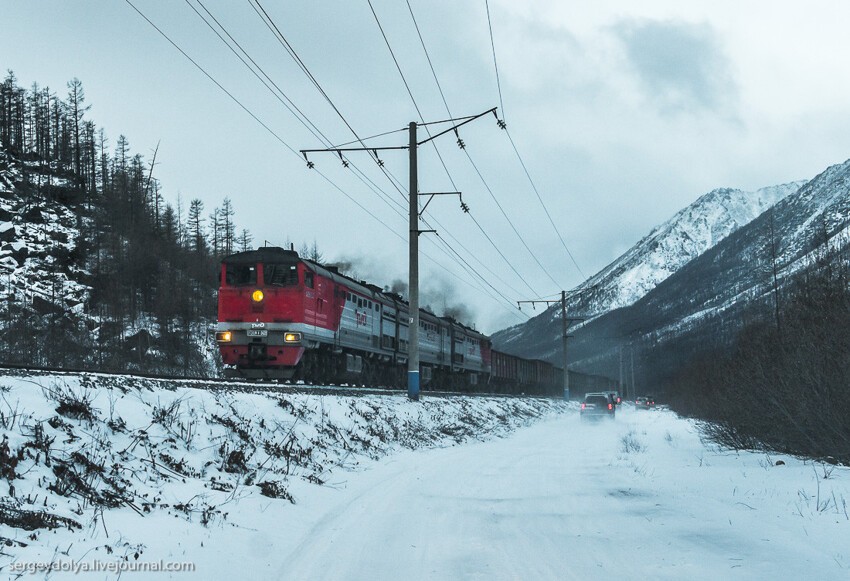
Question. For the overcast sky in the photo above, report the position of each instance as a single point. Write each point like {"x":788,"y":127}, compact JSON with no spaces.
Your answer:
{"x":624,"y":112}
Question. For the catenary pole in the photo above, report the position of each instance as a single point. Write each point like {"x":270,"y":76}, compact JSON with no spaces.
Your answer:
{"x":413,"y":286}
{"x":413,"y":281}
{"x":565,"y":323}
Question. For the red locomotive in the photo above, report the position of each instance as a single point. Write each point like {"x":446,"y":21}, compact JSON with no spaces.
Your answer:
{"x":284,"y":317}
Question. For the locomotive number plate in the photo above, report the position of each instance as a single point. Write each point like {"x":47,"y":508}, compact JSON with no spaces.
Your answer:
{"x":258,"y":333}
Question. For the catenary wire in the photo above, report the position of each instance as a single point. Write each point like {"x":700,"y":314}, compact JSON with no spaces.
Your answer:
{"x":282,"y":141}
{"x":516,"y":150}
{"x":419,"y":112}
{"x":277,"y":92}
{"x":448,"y":110}
{"x":269,"y":22}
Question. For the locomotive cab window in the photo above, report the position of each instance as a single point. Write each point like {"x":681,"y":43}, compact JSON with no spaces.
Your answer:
{"x":280,"y":274}
{"x":241,"y":274}
{"x":308,"y":279}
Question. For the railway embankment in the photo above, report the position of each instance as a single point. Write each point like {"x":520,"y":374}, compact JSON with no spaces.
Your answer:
{"x":96,"y":466}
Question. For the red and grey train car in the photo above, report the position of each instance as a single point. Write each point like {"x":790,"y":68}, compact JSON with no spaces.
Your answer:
{"x":283,"y":317}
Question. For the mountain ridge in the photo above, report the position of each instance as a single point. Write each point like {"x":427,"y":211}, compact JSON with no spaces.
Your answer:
{"x":664,"y":250}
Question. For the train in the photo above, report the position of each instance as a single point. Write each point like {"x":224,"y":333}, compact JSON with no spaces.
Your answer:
{"x":284,"y":317}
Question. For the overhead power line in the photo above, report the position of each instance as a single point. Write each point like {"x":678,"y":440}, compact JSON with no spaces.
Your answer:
{"x":468,"y":155}
{"x":284,"y":99}
{"x":254,"y":116}
{"x":495,"y":64}
{"x":283,"y":142}
{"x":415,"y":104}
{"x":281,"y":38}
{"x":504,"y":126}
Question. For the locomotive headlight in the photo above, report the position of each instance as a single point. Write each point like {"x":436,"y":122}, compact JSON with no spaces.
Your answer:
{"x":292,"y":337}
{"x":224,"y":336}
{"x":257,"y":296}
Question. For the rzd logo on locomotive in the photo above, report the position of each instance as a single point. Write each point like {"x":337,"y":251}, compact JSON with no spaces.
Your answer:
{"x":361,"y":318}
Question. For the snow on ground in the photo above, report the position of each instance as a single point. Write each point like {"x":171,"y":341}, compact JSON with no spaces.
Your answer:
{"x":103,"y":470}
{"x":640,"y":497}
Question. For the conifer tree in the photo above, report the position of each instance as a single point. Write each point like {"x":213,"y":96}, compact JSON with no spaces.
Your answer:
{"x":196,"y":229}
{"x":245,"y":240}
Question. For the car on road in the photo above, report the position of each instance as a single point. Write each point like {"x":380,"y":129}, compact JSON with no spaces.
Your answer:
{"x":615,"y":396}
{"x":644,"y":402}
{"x":596,"y":406}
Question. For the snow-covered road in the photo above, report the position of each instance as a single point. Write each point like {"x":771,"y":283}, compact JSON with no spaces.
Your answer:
{"x":383,"y":488}
{"x":563,"y":500}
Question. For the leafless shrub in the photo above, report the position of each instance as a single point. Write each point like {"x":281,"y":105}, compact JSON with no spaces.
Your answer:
{"x":40,"y":442}
{"x":71,"y":404}
{"x":239,"y":426}
{"x":782,"y":385}
{"x":9,"y":460}
{"x":90,"y":480}
{"x":275,"y":489}
{"x":827,"y":470}
{"x":233,"y":461}
{"x":30,"y":520}
{"x":178,"y":466}
{"x":290,"y":451}
{"x":630,"y":443}
{"x":9,"y":416}
{"x":167,"y":415}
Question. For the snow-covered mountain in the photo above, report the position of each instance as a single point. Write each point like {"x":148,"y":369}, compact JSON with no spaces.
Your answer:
{"x":680,"y":239}
{"x":739,"y":270}
{"x":662,"y":252}
{"x":707,"y":300}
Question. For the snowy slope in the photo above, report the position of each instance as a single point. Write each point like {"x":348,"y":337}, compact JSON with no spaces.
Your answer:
{"x":738,"y":270}
{"x":668,"y":247}
{"x":116,"y":469}
{"x":34,"y":235}
{"x":682,"y":238}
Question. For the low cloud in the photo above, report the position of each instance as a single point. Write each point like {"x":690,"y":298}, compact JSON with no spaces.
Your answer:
{"x":681,"y":65}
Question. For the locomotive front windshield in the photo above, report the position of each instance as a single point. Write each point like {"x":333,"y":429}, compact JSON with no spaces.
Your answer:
{"x":280,"y":274}
{"x":241,"y":274}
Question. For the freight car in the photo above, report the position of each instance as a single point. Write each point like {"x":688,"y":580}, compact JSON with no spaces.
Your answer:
{"x":281,"y":316}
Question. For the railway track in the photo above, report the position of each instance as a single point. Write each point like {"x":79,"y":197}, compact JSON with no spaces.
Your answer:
{"x":224,"y":384}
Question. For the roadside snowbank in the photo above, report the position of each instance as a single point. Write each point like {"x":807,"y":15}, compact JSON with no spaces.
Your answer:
{"x":121,"y":469}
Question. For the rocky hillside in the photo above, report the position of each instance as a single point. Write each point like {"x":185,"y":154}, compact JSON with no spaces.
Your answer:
{"x":668,"y":247}
{"x":121,"y":470}
{"x":706,"y":302}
